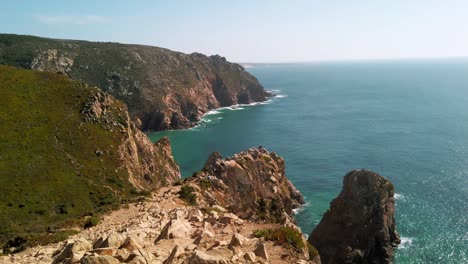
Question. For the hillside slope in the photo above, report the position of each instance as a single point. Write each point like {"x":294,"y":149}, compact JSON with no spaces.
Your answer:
{"x":162,"y":88}
{"x":67,"y":151}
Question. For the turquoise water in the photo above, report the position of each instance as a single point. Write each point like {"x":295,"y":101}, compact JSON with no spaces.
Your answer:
{"x":407,"y":120}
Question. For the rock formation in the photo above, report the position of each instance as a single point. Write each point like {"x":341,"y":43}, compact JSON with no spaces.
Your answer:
{"x":360,"y":225}
{"x":251,"y":184}
{"x":163,"y":89}
{"x":149,"y":166}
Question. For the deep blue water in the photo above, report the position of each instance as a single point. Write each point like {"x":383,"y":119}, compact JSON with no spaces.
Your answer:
{"x":407,"y":120}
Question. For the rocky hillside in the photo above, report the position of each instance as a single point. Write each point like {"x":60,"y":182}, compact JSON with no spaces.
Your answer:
{"x":360,"y":225}
{"x":68,"y":151}
{"x":163,"y":89}
{"x":181,"y":224}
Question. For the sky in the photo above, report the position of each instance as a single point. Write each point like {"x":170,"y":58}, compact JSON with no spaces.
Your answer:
{"x":256,"y":30}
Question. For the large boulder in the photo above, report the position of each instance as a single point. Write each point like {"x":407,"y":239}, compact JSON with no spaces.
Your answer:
{"x":360,"y":225}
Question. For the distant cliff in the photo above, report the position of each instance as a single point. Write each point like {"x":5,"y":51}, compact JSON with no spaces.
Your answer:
{"x":68,"y":151}
{"x":162,"y":88}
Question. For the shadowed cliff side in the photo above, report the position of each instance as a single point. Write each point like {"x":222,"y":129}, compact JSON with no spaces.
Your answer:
{"x":360,"y":225}
{"x":162,"y":88}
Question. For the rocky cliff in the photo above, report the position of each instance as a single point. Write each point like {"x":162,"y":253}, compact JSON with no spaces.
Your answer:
{"x":187,"y":223}
{"x":69,"y":151}
{"x":360,"y":226}
{"x":251,"y":184}
{"x":163,"y":89}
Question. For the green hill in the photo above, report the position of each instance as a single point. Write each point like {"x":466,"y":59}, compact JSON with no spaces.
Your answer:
{"x":162,"y":88}
{"x":68,"y":151}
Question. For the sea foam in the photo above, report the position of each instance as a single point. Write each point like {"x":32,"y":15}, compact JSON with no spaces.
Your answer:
{"x":405,"y":242}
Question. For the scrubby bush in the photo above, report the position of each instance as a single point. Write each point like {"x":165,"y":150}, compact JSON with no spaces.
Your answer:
{"x":283,"y":235}
{"x":186,"y":194}
{"x":91,"y":221}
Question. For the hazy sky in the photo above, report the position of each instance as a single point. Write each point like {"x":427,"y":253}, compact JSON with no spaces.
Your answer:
{"x":256,"y":31}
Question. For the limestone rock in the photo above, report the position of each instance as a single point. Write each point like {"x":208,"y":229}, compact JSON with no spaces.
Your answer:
{"x":99,"y":260}
{"x":73,"y":250}
{"x":177,"y":228}
{"x":113,"y":240}
{"x":200,"y":257}
{"x":261,"y":251}
{"x":360,"y":225}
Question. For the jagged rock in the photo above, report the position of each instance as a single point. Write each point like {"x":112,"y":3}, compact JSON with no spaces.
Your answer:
{"x":73,"y":250}
{"x":99,"y":260}
{"x":131,"y":244}
{"x":104,"y":251}
{"x":177,"y":228}
{"x":360,"y":225}
{"x":249,"y":257}
{"x":196,"y":216}
{"x":176,"y":251}
{"x":113,"y":240}
{"x":200,"y":257}
{"x":242,"y":183}
{"x":237,"y":240}
{"x":261,"y":251}
{"x":228,"y":218}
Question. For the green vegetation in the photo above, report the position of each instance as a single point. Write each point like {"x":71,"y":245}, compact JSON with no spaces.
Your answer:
{"x":91,"y":221}
{"x":186,"y":194}
{"x":205,"y":184}
{"x":50,"y":173}
{"x":313,"y":252}
{"x":283,"y":235}
{"x":132,"y":72}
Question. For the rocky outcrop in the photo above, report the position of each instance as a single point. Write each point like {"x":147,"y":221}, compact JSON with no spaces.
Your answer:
{"x":251,"y":184}
{"x":163,"y":89}
{"x":360,"y":225}
{"x":149,"y":166}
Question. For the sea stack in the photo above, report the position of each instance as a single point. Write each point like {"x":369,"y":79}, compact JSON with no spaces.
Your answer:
{"x":360,"y":225}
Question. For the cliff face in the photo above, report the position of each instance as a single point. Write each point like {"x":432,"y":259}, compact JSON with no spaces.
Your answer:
{"x":163,"y":89}
{"x":251,"y":184}
{"x":68,"y":150}
{"x":360,"y":225}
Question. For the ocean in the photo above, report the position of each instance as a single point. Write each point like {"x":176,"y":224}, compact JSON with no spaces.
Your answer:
{"x":406,"y":120}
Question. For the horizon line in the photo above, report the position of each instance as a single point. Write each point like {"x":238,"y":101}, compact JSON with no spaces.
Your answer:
{"x":355,"y":60}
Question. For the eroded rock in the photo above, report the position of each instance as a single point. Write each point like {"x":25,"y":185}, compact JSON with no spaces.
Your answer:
{"x":360,"y":225}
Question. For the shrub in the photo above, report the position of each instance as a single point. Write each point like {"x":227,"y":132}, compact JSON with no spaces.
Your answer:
{"x":313,"y":252}
{"x":205,"y":184}
{"x":283,"y":235}
{"x":14,"y":245}
{"x":186,"y":194}
{"x":91,"y":221}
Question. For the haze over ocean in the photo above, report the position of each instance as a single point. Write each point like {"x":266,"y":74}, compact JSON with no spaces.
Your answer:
{"x":406,"y":120}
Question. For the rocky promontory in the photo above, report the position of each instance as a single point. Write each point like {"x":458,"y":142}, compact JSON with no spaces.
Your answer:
{"x":163,"y":89}
{"x":360,"y":225}
{"x":251,"y":184}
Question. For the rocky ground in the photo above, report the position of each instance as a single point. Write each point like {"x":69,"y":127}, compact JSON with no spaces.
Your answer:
{"x":164,"y":229}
